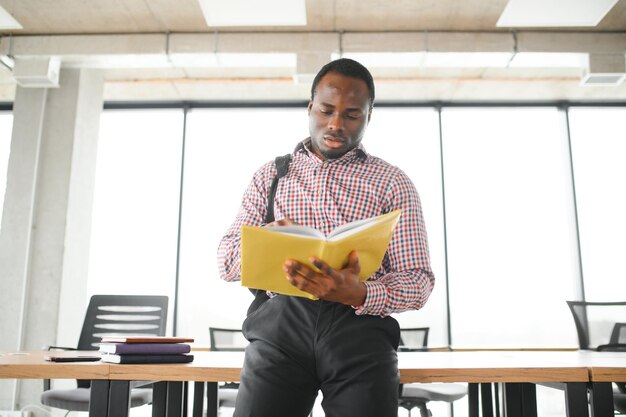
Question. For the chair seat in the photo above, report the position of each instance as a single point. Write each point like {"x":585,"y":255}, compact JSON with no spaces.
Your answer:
{"x":227,"y":397}
{"x":619,"y":401}
{"x":77,"y":399}
{"x":434,"y":392}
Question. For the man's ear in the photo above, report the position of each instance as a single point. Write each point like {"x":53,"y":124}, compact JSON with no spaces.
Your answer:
{"x":308,"y":110}
{"x":369,"y":115}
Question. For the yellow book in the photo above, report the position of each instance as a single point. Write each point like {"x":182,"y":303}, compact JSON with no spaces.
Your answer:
{"x":265,"y":249}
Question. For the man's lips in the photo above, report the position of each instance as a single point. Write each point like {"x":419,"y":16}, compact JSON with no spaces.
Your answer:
{"x":333,"y":141}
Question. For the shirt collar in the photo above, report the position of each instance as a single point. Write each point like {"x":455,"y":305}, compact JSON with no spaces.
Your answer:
{"x":357,"y":153}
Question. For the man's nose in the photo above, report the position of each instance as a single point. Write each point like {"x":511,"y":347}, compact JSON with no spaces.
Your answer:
{"x":336,"y":122}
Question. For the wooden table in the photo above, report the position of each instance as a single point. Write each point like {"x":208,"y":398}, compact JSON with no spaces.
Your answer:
{"x":604,"y":368}
{"x":518,"y":370}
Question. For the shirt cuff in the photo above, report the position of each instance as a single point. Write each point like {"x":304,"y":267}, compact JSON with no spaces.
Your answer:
{"x":374,"y":299}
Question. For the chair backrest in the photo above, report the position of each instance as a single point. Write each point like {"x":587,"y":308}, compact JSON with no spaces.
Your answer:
{"x":123,"y":315}
{"x":227,"y":339}
{"x":618,"y":335}
{"x":599,"y":324}
{"x":413,"y":339}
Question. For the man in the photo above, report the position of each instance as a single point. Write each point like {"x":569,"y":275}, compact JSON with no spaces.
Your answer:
{"x":345,"y":343}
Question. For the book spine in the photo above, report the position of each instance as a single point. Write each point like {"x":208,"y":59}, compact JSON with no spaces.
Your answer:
{"x":145,"y":348}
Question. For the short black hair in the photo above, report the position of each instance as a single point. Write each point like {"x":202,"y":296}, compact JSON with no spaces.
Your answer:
{"x":349,"y":68}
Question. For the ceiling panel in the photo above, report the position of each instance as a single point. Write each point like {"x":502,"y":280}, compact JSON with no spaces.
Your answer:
{"x":127,"y":16}
{"x":50,"y":18}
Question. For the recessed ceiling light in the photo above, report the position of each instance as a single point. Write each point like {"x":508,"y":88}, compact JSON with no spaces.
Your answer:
{"x":253,"y":13}
{"x":554,"y":13}
{"x":7,"y":21}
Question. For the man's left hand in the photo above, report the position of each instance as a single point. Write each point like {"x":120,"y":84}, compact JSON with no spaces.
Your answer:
{"x":339,"y":285}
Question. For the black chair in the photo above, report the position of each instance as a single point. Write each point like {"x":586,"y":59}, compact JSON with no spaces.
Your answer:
{"x":230,"y":340}
{"x":418,"y":394}
{"x":111,"y":315}
{"x":601,"y":326}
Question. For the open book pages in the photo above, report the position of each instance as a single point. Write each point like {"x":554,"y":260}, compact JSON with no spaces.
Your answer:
{"x":340,"y":232}
{"x":265,"y":249}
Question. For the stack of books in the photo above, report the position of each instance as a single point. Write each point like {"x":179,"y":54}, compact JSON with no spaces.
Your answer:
{"x":146,"y":350}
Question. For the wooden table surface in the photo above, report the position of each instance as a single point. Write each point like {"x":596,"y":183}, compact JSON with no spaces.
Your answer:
{"x":491,"y":366}
{"x":575,"y":368}
{"x":32,"y":365}
{"x":471,"y":366}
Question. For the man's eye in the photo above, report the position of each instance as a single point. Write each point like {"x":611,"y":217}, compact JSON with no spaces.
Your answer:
{"x":352,"y":117}
{"x":324,"y":111}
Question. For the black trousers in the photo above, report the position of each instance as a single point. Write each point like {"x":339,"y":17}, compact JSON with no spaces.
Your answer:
{"x":299,"y":346}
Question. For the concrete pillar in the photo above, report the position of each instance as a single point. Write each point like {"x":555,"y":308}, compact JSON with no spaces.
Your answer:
{"x":45,"y":235}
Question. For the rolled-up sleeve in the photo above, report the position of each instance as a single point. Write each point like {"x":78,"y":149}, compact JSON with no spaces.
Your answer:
{"x":251,"y":212}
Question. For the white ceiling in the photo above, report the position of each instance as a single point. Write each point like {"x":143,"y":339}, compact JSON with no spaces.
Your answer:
{"x":164,"y":50}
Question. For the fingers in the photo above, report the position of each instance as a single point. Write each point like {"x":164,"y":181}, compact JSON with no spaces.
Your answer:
{"x":301,"y":276}
{"x":282,"y":222}
{"x":353,"y":262}
{"x":296,"y":269}
{"x":322,"y":266}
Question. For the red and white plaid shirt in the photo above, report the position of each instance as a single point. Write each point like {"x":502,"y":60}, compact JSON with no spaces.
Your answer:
{"x":327,"y":194}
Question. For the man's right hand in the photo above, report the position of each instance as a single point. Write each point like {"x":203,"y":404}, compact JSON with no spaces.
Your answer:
{"x":282,"y":222}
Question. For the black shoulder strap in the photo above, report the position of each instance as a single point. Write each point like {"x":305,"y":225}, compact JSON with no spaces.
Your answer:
{"x":282,"y":167}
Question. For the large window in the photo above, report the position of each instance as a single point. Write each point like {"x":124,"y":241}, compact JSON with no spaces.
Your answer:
{"x":599,"y":152}
{"x":409,"y":139}
{"x":510,"y":227}
{"x":508,"y":236}
{"x":135,"y":215}
{"x":498,"y":191}
{"x":6,"y":126}
{"x":224,"y":148}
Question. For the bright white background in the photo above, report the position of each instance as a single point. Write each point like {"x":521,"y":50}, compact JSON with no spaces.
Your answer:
{"x":511,"y":228}
{"x":6,"y":126}
{"x":511,"y":234}
{"x":599,"y":155}
{"x":224,"y":148}
{"x":135,"y":215}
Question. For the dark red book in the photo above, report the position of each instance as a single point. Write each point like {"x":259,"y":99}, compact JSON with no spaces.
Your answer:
{"x":145,"y":339}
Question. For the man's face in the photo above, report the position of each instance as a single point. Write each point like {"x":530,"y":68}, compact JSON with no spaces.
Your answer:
{"x":338,"y":115}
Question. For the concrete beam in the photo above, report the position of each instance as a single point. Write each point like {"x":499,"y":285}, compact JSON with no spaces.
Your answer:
{"x":89,"y":47}
{"x":602,"y":43}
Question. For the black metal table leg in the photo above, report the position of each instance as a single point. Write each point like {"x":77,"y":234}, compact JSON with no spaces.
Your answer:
{"x":529,"y":399}
{"x":119,"y":399}
{"x":512,"y":399}
{"x":185,"y":396}
{"x":99,"y":398}
{"x":601,"y":399}
{"x":496,"y":396}
{"x":198,"y":398}
{"x":174,"y":399}
{"x":486,"y":400}
{"x":159,"y":399}
{"x":576,"y":399}
{"x":211,"y":399}
{"x":520,"y":399}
